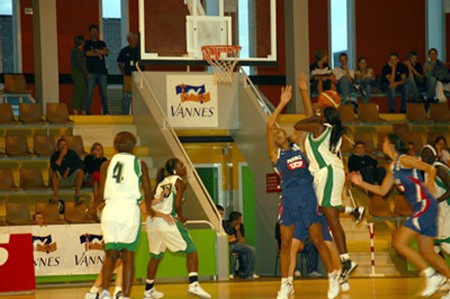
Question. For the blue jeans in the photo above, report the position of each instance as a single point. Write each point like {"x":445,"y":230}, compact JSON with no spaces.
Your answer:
{"x":246,"y":253}
{"x":102,"y":81}
{"x":403,"y":89}
{"x":345,"y":87}
{"x":431,"y":87}
{"x":126,"y":101}
{"x":367,"y":85}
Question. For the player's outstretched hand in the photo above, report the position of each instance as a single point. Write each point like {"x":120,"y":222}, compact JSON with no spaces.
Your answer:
{"x":302,"y":81}
{"x":355,"y":178}
{"x":286,"y":94}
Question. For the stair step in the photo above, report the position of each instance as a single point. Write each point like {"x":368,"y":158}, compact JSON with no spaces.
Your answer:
{"x":102,"y":119}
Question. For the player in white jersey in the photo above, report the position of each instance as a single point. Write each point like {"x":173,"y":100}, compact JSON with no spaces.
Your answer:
{"x":442,"y":186}
{"x":322,"y":145}
{"x":162,"y":236}
{"x":120,"y":181}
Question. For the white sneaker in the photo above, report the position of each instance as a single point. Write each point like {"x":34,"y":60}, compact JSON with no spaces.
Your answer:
{"x":256,"y":276}
{"x":297,"y":274}
{"x":334,"y":287}
{"x":153,"y":294}
{"x":432,"y":284}
{"x":196,"y":290}
{"x":90,"y":295}
{"x":285,"y":291}
{"x":231,"y":276}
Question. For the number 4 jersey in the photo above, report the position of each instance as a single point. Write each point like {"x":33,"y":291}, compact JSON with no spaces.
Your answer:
{"x":123,"y":178}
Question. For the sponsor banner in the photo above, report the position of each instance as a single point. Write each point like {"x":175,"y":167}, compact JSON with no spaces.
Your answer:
{"x":16,"y":263}
{"x":64,"y":249}
{"x":192,"y":101}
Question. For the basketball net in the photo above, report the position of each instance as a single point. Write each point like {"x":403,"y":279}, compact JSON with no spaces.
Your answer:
{"x":223,"y":60}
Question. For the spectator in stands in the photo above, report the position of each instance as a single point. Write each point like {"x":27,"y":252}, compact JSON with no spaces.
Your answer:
{"x":92,"y":163}
{"x":416,"y":77}
{"x":38,"y":219}
{"x":221,"y":211}
{"x":67,"y":169}
{"x":394,"y":75}
{"x":343,"y":78}
{"x":365,"y":164}
{"x":79,"y":74}
{"x":127,"y":59}
{"x":411,"y":149}
{"x":435,"y":71}
{"x":235,"y":230}
{"x":321,"y":74}
{"x":96,"y":51}
{"x":440,"y":144}
{"x":365,"y":79}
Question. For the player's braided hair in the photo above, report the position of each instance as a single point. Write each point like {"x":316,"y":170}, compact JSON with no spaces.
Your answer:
{"x":169,"y":169}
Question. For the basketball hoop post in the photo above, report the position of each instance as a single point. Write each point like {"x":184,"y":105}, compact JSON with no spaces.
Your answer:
{"x":223,"y":60}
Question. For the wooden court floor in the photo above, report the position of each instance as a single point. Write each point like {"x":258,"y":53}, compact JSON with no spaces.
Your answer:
{"x":361,"y":288}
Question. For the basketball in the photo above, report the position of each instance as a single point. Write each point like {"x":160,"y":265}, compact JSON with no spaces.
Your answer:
{"x":329,"y":98}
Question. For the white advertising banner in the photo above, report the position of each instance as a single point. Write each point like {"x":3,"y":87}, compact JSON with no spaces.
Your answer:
{"x":192,"y":101}
{"x":64,"y":249}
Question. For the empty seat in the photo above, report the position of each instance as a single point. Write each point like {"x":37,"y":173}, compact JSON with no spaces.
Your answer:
{"x":17,"y":146}
{"x":50,"y":212}
{"x":380,"y":206}
{"x":31,"y":178}
{"x":58,"y":113}
{"x":369,"y":112}
{"x":439,"y":112}
{"x":367,"y":138}
{"x":30,"y":113}
{"x":347,"y":113}
{"x":18,"y":213}
{"x":402,"y":207}
{"x":76,"y":212}
{"x":75,"y":143}
{"x":7,"y":180}
{"x":416,"y":112}
{"x":44,"y":145}
{"x":6,"y":114}
{"x":15,"y":83}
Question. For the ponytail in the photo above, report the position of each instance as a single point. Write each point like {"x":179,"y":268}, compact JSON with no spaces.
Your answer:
{"x":169,"y":169}
{"x":334,"y":119}
{"x":160,"y":175}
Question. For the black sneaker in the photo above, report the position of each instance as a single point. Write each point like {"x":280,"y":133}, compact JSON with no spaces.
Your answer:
{"x":348,"y":267}
{"x":358,"y":214}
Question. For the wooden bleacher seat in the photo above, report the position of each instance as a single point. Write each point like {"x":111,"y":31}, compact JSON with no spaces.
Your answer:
{"x":367,"y":138}
{"x":381,"y":136}
{"x":76,"y":213}
{"x":18,"y":213}
{"x":439,"y":112}
{"x":17,"y":146}
{"x":400,"y":129}
{"x":15,"y":83}
{"x":402,"y":207}
{"x":31,"y":178}
{"x":368,"y":112}
{"x":75,"y":143}
{"x":415,"y":137}
{"x":6,"y":114}
{"x":380,"y":206}
{"x":50,"y":212}
{"x":347,"y":113}
{"x":7,"y":180}
{"x":415,"y":112}
{"x":347,"y":144}
{"x":44,"y":145}
{"x":57,"y":113}
{"x":30,"y":113}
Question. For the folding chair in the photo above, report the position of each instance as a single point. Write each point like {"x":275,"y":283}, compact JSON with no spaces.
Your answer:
{"x":76,"y":212}
{"x":347,"y":113}
{"x":44,"y":145}
{"x":367,"y":138}
{"x":368,"y":112}
{"x":18,"y":213}
{"x":75,"y":143}
{"x":415,"y":112}
{"x":439,"y":112}
{"x":30,"y":113}
{"x":50,"y":212}
{"x":6,"y":114}
{"x":31,"y":178}
{"x":415,"y":137}
{"x":7,"y":180}
{"x":17,"y":146}
{"x":58,"y":113}
{"x":15,"y":83}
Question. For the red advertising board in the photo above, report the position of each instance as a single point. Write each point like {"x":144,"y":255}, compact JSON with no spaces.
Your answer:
{"x":16,"y":263}
{"x":272,"y":183}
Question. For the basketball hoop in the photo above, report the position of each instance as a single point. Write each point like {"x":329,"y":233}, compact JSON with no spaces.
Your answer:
{"x":222,"y":59}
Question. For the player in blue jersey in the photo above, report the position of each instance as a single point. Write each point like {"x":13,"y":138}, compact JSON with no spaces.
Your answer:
{"x":422,"y":224}
{"x":299,"y":203}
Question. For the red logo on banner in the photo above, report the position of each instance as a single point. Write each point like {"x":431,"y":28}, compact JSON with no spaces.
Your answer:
{"x":272,"y":183}
{"x":16,"y":264}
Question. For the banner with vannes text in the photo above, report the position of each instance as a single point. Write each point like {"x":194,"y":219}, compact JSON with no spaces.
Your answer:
{"x":64,"y":249}
{"x":192,"y":101}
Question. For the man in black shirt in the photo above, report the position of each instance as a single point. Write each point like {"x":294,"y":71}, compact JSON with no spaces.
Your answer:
{"x":96,"y":52}
{"x":127,"y":59}
{"x":235,"y":230}
{"x":67,"y":169}
{"x":394,"y":75}
{"x":366,"y":165}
